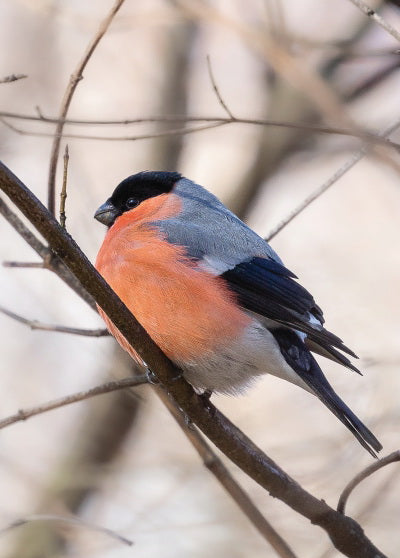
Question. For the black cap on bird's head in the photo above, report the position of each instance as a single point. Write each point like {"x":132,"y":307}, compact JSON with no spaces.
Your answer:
{"x":133,"y":190}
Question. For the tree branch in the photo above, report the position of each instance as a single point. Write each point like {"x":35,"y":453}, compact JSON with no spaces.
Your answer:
{"x":326,"y":185}
{"x":392,"y":458}
{"x":216,"y":90}
{"x":24,"y":414}
{"x":50,"y":259}
{"x":218,"y":469}
{"x":365,"y":135}
{"x":69,"y":92}
{"x":35,"y":324}
{"x":13,"y":77}
{"x":345,"y":533}
{"x":377,"y":18}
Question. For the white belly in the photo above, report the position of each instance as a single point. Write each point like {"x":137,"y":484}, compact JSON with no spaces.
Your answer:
{"x":235,"y":367}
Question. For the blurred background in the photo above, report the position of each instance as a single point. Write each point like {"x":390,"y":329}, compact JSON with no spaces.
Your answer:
{"x":119,"y":460}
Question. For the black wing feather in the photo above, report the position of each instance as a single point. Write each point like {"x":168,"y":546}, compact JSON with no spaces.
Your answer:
{"x":266,"y":287}
{"x":304,"y":364}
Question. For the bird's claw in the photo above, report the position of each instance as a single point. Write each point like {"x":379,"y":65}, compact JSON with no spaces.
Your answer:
{"x":151,"y":377}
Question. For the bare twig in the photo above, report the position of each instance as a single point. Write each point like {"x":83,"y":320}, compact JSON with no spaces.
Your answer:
{"x":173,"y":132}
{"x":370,"y":504}
{"x":24,"y":414}
{"x":35,"y":324}
{"x":218,"y":469}
{"x":392,"y":458}
{"x":69,"y":92}
{"x":50,"y":260}
{"x":326,"y":185}
{"x":25,"y":265}
{"x":377,"y":18}
{"x":12,"y":77}
{"x":368,"y":137}
{"x":66,"y":519}
{"x":216,"y":90}
{"x":63,"y":195}
{"x":345,"y":533}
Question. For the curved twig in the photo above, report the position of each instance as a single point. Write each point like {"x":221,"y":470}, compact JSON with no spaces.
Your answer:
{"x":368,"y":471}
{"x":66,"y":519}
{"x":24,"y":414}
{"x":69,"y":92}
{"x":367,"y":136}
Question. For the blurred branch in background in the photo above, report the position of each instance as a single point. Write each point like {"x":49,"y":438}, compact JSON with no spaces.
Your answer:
{"x":12,"y":77}
{"x":80,"y":471}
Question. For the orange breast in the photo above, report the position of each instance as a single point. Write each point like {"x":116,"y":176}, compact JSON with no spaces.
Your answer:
{"x":188,"y":312}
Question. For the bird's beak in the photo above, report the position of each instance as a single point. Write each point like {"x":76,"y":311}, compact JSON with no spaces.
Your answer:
{"x":106,"y":213}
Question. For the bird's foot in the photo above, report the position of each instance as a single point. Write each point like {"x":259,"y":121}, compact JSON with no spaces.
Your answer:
{"x":151,"y":377}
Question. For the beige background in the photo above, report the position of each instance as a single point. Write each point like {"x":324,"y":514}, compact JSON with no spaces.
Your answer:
{"x":344,"y":248}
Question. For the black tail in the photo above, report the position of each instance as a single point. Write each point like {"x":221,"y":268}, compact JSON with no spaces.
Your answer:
{"x":326,"y":394}
{"x":304,"y":364}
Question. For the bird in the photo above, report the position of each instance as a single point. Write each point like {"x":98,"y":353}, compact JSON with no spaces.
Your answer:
{"x":213,"y":294}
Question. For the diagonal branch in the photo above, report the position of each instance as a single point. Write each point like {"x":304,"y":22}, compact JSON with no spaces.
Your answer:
{"x":216,"y":90}
{"x":218,"y":469}
{"x":377,"y":18}
{"x":349,"y":164}
{"x":50,"y":260}
{"x":74,"y":80}
{"x":345,"y":533}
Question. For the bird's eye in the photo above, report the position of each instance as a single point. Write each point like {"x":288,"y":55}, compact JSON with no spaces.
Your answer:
{"x":131,"y":203}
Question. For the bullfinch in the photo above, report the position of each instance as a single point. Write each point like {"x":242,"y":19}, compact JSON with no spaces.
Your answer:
{"x":212,"y":294}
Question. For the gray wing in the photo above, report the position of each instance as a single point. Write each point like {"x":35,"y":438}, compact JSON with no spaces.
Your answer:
{"x":210,"y":232}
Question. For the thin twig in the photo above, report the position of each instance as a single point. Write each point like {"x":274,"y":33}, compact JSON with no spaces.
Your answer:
{"x":69,"y":92}
{"x":368,"y":137}
{"x":216,"y":90}
{"x":345,"y":533}
{"x":167,"y":133}
{"x":326,"y":185}
{"x":63,"y":195}
{"x":368,"y":505}
{"x":25,"y":265}
{"x":66,"y":519}
{"x":377,"y":18}
{"x":13,"y":77}
{"x":392,"y":458}
{"x":50,"y":260}
{"x":24,"y":414}
{"x":223,"y":476}
{"x":35,"y":324}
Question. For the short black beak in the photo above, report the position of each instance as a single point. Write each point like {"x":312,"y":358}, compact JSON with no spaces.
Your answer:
{"x":106,"y":213}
